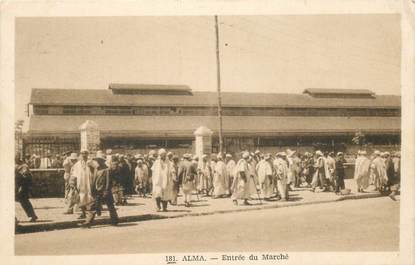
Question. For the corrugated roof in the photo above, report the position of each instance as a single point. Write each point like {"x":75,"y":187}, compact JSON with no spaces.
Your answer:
{"x":186,"y":125}
{"x":91,"y":97}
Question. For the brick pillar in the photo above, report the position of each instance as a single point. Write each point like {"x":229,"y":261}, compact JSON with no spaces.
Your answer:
{"x":90,"y":136}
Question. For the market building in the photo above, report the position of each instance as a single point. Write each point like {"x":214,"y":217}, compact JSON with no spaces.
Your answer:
{"x":136,"y":118}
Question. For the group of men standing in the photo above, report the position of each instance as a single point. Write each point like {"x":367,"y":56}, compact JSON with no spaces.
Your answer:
{"x":88,"y":184}
{"x":382,"y":170}
{"x":93,"y":180}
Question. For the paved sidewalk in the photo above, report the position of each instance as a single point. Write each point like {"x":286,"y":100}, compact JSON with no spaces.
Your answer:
{"x":51,"y":217}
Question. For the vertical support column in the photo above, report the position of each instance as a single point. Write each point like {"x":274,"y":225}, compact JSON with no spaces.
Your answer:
{"x":90,"y":136}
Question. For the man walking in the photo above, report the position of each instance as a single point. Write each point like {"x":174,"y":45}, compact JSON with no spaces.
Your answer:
{"x":281,"y":170}
{"x":219,"y":179}
{"x":264,"y":170}
{"x":124,"y":179}
{"x":319,"y":177}
{"x":71,"y":191}
{"x":141,"y":177}
{"x":389,"y":167}
{"x":339,"y":172}
{"x":101,"y":192}
{"x":330,"y":171}
{"x":187,"y":175}
{"x":362,"y":171}
{"x":176,"y":180}
{"x":230,"y":171}
{"x":204,"y":175}
{"x":379,"y":171}
{"x":83,"y":170}
{"x":240,"y":186}
{"x":394,"y":182}
{"x":23,"y":187}
{"x":162,"y":170}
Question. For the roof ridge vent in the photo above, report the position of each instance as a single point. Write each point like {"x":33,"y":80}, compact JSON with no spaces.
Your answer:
{"x":149,"y":89}
{"x":339,"y":93}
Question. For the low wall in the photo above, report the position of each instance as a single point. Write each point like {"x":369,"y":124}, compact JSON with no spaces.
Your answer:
{"x":48,"y":183}
{"x":349,"y":170}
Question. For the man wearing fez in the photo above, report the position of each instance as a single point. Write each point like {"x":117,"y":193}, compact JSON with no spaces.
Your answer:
{"x":71,"y":192}
{"x":162,"y":171}
{"x":101,"y":192}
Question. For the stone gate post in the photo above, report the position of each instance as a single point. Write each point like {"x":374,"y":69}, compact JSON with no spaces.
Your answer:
{"x":90,"y":136}
{"x":203,"y":141}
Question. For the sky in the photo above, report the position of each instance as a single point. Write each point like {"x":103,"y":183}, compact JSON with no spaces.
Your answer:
{"x":270,"y":54}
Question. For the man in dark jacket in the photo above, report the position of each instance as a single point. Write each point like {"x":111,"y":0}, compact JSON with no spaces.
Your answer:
{"x":339,"y":172}
{"x":395,"y":179}
{"x":101,"y":192}
{"x":23,"y":187}
{"x":390,"y":169}
{"x":124,"y":177}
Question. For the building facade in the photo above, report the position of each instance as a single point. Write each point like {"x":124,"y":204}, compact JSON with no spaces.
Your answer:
{"x":137,"y":118}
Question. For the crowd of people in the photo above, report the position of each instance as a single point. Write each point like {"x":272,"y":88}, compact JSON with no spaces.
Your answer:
{"x":94,"y":179}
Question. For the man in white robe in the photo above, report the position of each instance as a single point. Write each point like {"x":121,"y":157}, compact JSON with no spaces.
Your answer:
{"x":362,"y":171}
{"x":240,"y":185}
{"x":46,"y":162}
{"x":281,"y":170}
{"x":319,"y":177}
{"x":220,"y":188}
{"x":83,"y":170}
{"x":253,"y":179}
{"x":330,"y":164}
{"x":163,"y":185}
{"x":379,"y":171}
{"x":230,"y":170}
{"x":204,"y":174}
{"x":264,"y":171}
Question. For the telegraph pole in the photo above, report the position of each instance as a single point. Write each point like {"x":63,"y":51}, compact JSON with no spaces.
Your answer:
{"x":218,"y":85}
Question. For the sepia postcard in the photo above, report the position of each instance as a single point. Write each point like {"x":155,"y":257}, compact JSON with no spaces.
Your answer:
{"x":207,"y":132}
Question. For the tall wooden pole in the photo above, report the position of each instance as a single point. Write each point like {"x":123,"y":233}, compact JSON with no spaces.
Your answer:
{"x":218,"y":85}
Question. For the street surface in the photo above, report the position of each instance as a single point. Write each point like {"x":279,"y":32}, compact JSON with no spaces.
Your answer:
{"x":352,"y":225}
